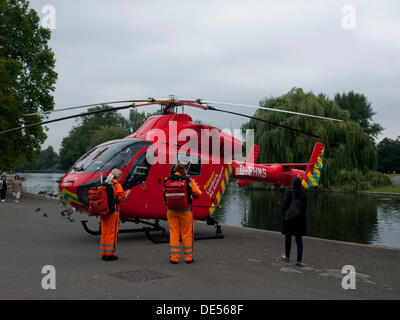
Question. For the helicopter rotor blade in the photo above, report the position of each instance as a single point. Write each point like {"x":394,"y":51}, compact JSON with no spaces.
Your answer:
{"x":266,"y":121}
{"x":88,"y":105}
{"x":199,"y":103}
{"x":172,"y":101}
{"x":272,"y":109}
{"x":77,"y":115}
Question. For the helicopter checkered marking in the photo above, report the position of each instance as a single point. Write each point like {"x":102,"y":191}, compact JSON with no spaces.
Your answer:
{"x":223,"y":184}
{"x":314,"y":175}
{"x":70,"y":197}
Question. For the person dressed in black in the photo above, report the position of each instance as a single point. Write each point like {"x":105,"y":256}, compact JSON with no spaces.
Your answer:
{"x":294,"y":219}
{"x":3,"y":188}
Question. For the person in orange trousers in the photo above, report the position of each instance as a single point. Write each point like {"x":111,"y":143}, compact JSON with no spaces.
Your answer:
{"x":110,"y":224}
{"x":181,"y":223}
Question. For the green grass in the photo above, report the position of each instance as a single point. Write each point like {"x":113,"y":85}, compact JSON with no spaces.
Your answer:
{"x":388,"y":189}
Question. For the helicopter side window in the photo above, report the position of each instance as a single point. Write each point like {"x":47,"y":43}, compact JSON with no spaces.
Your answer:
{"x":193,"y":161}
{"x":83,"y":160}
{"x":122,"y":158}
{"x":108,"y":157}
{"x":138,"y":173}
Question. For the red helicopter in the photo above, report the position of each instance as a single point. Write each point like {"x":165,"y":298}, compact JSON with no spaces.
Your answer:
{"x":147,"y":156}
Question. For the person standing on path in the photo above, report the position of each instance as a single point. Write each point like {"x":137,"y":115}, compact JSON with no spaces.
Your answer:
{"x":294,"y":220}
{"x":181,"y":220}
{"x":3,"y":188}
{"x":16,"y":188}
{"x":110,"y":223}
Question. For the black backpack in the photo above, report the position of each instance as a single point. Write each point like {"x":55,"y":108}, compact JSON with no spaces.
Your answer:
{"x":294,"y":209}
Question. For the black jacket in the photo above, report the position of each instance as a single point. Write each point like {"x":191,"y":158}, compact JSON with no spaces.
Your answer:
{"x":298,"y":225}
{"x":3,"y":185}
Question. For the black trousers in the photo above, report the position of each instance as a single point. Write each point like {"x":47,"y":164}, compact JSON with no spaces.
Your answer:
{"x":288,"y":246}
{"x":3,"y":193}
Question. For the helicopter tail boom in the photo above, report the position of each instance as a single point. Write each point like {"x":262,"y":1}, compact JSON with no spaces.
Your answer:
{"x":281,"y":175}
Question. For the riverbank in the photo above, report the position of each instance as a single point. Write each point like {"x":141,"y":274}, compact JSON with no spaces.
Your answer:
{"x":386,"y":191}
{"x":244,"y":265}
{"x":393,"y":190}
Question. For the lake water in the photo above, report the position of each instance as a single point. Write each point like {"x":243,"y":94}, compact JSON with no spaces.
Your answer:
{"x":346,"y":217}
{"x":361,"y":218}
{"x":36,"y":182}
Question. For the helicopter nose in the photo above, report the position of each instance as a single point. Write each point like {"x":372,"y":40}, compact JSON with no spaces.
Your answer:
{"x":83,"y":191}
{"x":67,"y":192}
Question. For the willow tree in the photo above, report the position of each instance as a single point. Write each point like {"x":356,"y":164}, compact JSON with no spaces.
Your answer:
{"x":348,"y":147}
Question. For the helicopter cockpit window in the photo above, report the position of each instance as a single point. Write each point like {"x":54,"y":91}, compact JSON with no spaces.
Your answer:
{"x":107,"y":157}
{"x":138,"y":173}
{"x":193,"y":161}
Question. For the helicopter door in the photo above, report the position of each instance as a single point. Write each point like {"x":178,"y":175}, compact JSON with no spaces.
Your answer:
{"x":138,"y":173}
{"x":193,"y":161}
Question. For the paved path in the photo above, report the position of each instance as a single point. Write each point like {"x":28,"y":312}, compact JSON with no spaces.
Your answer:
{"x":244,"y":265}
{"x":396,"y":180}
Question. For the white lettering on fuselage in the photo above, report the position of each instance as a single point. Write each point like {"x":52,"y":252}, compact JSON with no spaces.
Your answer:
{"x":252,"y":171}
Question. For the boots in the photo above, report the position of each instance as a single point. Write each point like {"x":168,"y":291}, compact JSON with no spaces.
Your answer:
{"x":109,"y":258}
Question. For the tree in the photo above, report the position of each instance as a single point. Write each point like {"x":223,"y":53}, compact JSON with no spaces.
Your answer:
{"x":348,"y":147}
{"x":94,"y":130}
{"x":136,"y":118}
{"x":360,"y":111}
{"x":389,"y":155}
{"x":27,"y":80}
{"x":106,"y":134}
{"x":11,"y":144}
{"x":105,"y":119}
{"x":46,"y":160}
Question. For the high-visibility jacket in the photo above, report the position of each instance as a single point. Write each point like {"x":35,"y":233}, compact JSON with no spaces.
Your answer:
{"x":110,"y":224}
{"x":181,"y":226}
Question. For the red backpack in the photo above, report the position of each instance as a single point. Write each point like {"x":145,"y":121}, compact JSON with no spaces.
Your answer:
{"x":101,"y":200}
{"x":177,"y":192}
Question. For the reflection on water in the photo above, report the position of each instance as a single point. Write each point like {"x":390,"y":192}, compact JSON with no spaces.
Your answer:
{"x":347,"y":217}
{"x":388,"y":230}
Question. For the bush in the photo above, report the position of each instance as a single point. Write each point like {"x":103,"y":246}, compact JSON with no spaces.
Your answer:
{"x":377,"y":179}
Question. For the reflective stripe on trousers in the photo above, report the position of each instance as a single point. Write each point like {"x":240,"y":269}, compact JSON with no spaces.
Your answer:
{"x":180,"y":226}
{"x":109,"y":234}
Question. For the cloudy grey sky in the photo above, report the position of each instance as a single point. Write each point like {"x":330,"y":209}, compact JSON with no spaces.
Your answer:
{"x":236,"y":51}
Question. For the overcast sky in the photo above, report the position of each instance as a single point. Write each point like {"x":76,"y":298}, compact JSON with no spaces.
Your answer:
{"x":235,"y":51}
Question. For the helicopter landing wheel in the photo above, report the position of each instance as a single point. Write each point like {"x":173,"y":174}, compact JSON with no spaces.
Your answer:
{"x":164,"y":238}
{"x":88,"y":230}
{"x":218,"y":230}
